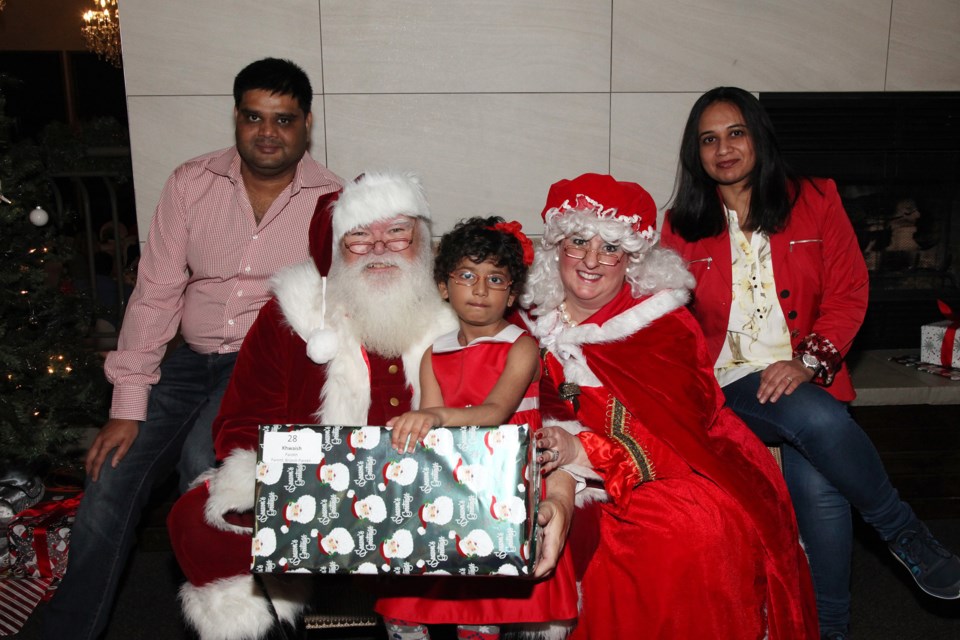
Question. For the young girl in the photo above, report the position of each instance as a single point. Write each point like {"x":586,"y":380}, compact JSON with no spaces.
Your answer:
{"x":485,"y":373}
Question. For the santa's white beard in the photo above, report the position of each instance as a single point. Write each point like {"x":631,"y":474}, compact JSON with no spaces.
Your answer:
{"x":388,"y":310}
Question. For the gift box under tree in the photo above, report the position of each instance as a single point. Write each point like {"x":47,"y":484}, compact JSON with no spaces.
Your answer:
{"x":39,"y":538}
{"x":38,"y":541}
{"x":335,"y":499}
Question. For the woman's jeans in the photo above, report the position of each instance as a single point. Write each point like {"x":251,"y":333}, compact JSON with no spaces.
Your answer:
{"x":829,"y":463}
{"x":177,"y":433}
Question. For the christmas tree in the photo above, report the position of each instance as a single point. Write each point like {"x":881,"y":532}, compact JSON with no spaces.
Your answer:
{"x":51,"y":382}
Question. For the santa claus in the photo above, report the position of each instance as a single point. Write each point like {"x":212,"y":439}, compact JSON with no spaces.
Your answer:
{"x":507,"y":435}
{"x":336,"y":475}
{"x":474,"y":476}
{"x":324,"y":350}
{"x":362,"y":438}
{"x":511,"y":509}
{"x":402,"y":471}
{"x":302,"y":510}
{"x":265,"y":542}
{"x":439,"y":440}
{"x":371,"y":508}
{"x":476,"y":544}
{"x":399,"y":546}
{"x":337,"y":542}
{"x":440,"y":511}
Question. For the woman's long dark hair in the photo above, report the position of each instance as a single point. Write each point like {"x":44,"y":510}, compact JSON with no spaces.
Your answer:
{"x":696,"y":211}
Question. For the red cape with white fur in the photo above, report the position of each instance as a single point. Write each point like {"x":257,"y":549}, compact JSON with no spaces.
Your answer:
{"x":649,"y":353}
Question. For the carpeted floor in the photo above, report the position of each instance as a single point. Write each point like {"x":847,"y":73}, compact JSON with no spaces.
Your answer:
{"x":886,"y":605}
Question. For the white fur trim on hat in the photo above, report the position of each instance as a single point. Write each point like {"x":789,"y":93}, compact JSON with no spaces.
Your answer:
{"x":378,"y":196}
{"x":235,"y":608}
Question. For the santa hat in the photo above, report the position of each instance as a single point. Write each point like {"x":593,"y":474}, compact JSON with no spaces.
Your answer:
{"x":353,"y":505}
{"x":375,"y":196}
{"x":350,"y":441}
{"x":486,"y":441}
{"x":456,"y":470}
{"x":422,"y":529}
{"x":493,"y":508}
{"x":323,"y":461}
{"x":607,"y":199}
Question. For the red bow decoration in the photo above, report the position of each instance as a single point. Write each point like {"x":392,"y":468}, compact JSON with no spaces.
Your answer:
{"x":514,"y":229}
{"x":946,"y":349}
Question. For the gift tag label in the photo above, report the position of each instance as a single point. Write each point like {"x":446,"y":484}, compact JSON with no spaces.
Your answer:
{"x":303,"y":446}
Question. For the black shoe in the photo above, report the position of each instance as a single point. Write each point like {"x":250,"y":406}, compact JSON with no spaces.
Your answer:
{"x":935,"y":569}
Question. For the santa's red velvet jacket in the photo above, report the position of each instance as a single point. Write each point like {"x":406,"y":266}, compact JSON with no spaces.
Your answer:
{"x":821,"y":280}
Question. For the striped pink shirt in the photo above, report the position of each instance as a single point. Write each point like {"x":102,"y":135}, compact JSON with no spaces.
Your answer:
{"x":206,"y":267}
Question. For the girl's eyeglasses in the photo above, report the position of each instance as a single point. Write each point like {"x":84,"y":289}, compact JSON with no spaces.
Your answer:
{"x":467,"y":278}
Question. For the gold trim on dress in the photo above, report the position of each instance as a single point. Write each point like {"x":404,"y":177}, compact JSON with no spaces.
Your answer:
{"x":616,"y":427}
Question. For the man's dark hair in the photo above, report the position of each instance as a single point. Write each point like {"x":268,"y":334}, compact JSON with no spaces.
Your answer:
{"x":697,"y":211}
{"x":277,"y":76}
{"x":477,"y":240}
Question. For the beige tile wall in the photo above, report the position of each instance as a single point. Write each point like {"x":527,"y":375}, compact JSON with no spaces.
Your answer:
{"x":492,"y":101}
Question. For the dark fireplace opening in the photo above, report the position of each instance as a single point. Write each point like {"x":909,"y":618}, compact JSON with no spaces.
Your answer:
{"x":896,"y":160}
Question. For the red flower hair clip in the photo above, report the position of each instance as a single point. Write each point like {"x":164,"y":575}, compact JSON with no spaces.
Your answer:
{"x":514,"y":229}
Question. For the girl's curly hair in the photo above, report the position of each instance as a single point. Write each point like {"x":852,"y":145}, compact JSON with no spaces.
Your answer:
{"x":475,"y":238}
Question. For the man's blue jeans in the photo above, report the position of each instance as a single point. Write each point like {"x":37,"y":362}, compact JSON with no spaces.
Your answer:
{"x":182,"y":407}
{"x":829,"y":463}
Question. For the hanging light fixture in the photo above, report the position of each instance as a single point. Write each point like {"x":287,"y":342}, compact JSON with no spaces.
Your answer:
{"x":101,"y":31}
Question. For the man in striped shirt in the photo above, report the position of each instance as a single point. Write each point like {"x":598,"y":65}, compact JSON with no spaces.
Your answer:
{"x":226,"y":222}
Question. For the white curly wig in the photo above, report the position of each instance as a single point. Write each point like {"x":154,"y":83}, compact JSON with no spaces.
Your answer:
{"x":650,"y":268}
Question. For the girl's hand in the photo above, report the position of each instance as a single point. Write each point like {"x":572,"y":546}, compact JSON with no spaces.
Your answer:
{"x":411,"y":427}
{"x":556,"y":447}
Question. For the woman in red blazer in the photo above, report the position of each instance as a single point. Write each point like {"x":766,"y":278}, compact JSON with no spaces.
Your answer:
{"x":781,"y":292}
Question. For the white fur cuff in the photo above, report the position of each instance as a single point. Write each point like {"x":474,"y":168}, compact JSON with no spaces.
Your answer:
{"x":235,"y":608}
{"x":232,"y":489}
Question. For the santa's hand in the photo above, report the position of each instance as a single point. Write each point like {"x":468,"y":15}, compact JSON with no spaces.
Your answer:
{"x":556,"y":447}
{"x":554,"y":517}
{"x":410,"y":428}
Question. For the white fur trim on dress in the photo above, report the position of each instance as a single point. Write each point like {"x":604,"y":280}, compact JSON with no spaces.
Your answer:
{"x":566,"y":343}
{"x":235,"y":608}
{"x":232,"y":488}
{"x":378,"y":196}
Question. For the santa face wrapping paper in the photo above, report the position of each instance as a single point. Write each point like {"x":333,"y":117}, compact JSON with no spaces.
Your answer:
{"x":333,"y":499}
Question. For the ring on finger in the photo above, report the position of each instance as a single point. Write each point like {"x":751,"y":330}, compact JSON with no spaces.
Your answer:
{"x":556,"y":455}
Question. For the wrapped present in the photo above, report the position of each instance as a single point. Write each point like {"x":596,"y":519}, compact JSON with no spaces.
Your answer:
{"x":39,"y":538}
{"x":335,"y":499}
{"x":938,"y":340}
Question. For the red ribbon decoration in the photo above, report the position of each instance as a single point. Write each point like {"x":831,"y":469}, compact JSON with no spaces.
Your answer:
{"x":950,"y":336}
{"x":514,"y":229}
{"x":41,"y":515}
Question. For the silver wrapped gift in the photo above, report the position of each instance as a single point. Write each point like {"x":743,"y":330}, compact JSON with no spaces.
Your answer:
{"x":333,"y":499}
